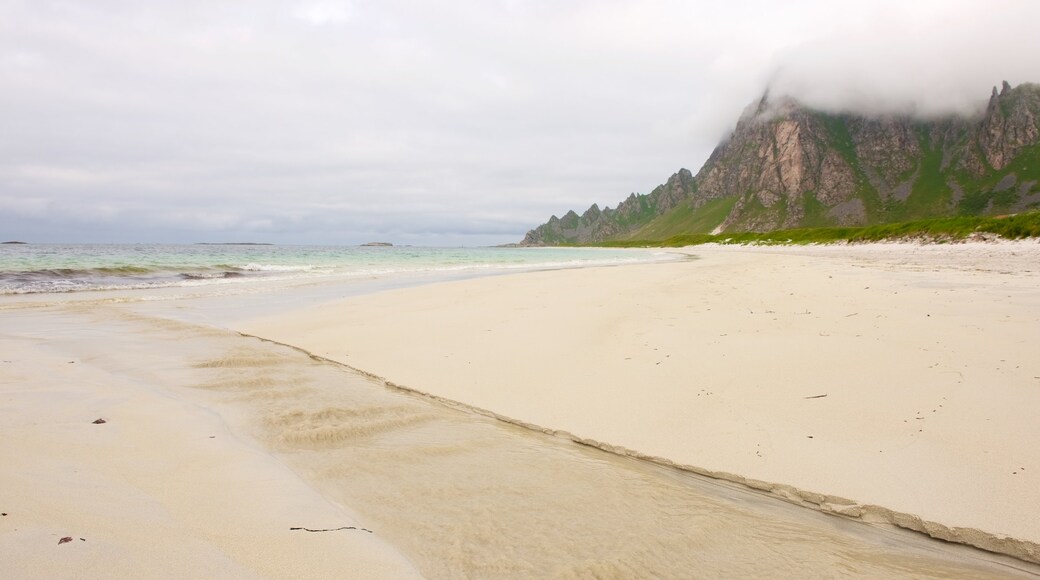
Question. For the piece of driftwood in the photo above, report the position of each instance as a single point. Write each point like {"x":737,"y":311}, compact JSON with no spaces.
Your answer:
{"x":331,"y":529}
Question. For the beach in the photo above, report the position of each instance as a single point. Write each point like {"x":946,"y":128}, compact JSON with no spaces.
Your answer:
{"x":100,"y":447}
{"x":888,"y":382}
{"x":520,"y":290}
{"x":625,"y":421}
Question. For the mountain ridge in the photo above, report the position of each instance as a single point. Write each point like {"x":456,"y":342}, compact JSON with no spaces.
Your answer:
{"x":786,"y":165}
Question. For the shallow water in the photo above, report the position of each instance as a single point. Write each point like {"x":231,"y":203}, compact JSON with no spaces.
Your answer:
{"x":63,"y":268}
{"x":466,"y":496}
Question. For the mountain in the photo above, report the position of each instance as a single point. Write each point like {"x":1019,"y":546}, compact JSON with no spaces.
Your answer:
{"x":788,"y":166}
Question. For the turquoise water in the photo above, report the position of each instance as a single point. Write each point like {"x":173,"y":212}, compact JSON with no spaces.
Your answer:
{"x":42,"y":268}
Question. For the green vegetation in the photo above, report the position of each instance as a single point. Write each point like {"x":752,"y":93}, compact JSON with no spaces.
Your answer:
{"x":685,"y":219}
{"x":840,"y":139}
{"x":815,"y":213}
{"x":980,"y":197}
{"x":1023,"y":225}
{"x":755,"y":212}
{"x":930,"y":195}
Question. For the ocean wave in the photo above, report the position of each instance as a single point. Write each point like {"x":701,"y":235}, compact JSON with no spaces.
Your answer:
{"x":210,"y":275}
{"x":73,"y":273}
{"x":251,"y":267}
{"x":66,"y":286}
{"x":84,"y":268}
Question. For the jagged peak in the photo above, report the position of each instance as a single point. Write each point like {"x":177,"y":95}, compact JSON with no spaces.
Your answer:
{"x":681,"y":179}
{"x":592,"y":212}
{"x":1011,"y":92}
{"x":1005,"y":90}
{"x":1011,"y":95}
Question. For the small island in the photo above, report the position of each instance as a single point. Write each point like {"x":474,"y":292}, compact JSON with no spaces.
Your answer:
{"x":14,"y":243}
{"x":377,"y":245}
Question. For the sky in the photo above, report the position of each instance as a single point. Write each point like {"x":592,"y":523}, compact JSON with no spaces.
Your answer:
{"x":433,"y":123}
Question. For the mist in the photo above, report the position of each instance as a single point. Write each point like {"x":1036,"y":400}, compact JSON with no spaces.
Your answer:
{"x":920,"y":58}
{"x":470,"y":122}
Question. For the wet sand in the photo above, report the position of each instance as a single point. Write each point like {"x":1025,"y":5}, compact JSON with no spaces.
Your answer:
{"x":890,"y":383}
{"x":216,"y":444}
{"x":163,"y":488}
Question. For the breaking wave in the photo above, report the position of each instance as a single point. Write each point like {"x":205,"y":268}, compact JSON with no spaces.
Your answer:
{"x":39,"y":268}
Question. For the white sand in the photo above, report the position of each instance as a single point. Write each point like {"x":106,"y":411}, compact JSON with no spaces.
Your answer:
{"x":927,"y":357}
{"x":163,"y":489}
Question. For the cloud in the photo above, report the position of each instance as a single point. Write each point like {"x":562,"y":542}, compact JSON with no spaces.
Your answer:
{"x":321,"y":13}
{"x":331,"y":121}
{"x":925,"y":58}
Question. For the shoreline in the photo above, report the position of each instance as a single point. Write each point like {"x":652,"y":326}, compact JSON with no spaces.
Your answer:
{"x":1025,"y":551}
{"x":1023,"y":546}
{"x":287,"y":410}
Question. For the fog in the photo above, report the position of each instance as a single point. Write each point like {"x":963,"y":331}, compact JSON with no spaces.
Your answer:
{"x":432,"y":123}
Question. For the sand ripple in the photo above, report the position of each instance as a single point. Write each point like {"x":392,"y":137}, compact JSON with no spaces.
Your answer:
{"x":332,"y":427}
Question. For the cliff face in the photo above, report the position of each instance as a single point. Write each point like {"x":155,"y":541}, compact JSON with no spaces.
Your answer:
{"x":1010,"y":124}
{"x":775,"y":157}
{"x":787,"y":166}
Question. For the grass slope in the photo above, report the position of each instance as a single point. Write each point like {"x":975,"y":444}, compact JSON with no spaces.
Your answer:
{"x":929,"y":194}
{"x":1024,"y":225}
{"x":980,"y":197}
{"x":685,"y":219}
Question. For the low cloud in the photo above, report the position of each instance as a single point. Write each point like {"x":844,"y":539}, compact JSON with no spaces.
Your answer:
{"x":332,"y":121}
{"x":321,"y":13}
{"x":921,"y":58}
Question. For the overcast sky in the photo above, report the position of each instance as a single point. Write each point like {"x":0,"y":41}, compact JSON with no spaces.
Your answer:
{"x":434,"y":123}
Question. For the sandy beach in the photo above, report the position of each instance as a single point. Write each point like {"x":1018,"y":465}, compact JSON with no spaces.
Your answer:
{"x":102,"y":444}
{"x":889,"y":384}
{"x":892,"y":383}
{"x":390,"y":290}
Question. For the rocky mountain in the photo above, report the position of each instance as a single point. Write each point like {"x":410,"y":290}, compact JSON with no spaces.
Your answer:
{"x":787,"y":166}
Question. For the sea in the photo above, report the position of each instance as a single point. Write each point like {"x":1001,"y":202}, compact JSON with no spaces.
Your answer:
{"x":50,"y":268}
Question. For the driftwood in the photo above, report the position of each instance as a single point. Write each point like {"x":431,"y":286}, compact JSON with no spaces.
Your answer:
{"x":331,"y":529}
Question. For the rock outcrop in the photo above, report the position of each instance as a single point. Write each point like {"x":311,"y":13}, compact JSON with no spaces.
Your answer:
{"x":788,"y":166}
{"x":595,"y":224}
{"x":1010,"y":124}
